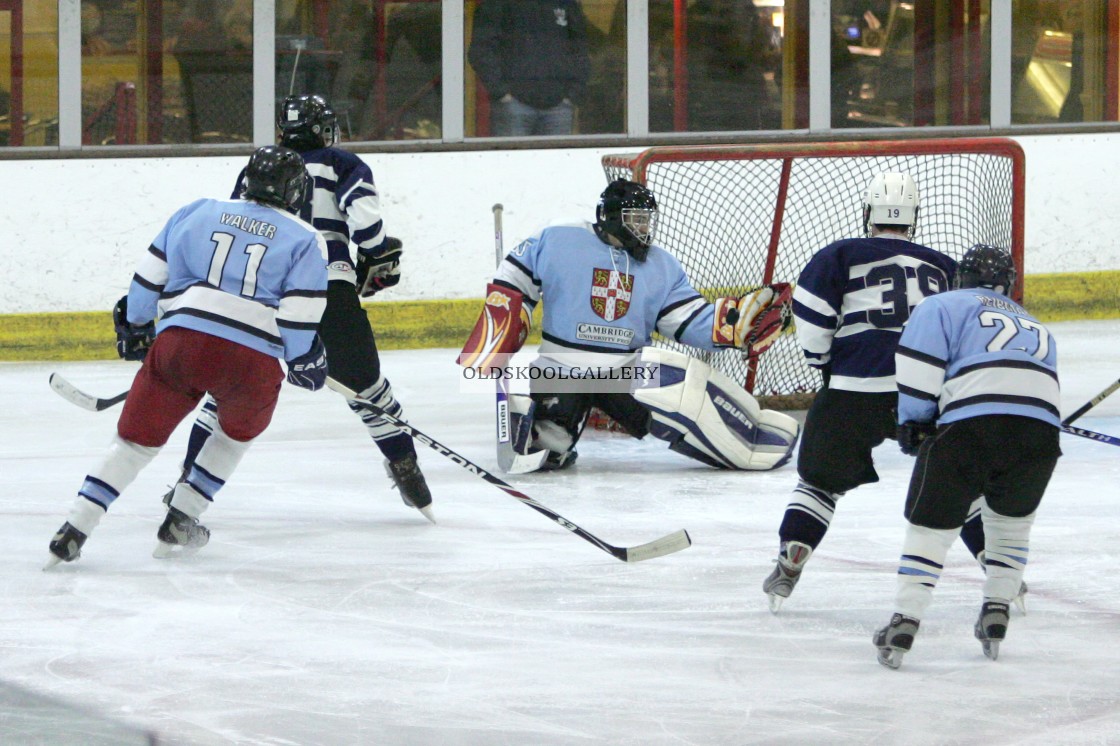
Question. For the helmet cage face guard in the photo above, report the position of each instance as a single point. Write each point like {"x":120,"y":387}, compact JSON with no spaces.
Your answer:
{"x":641,"y":223}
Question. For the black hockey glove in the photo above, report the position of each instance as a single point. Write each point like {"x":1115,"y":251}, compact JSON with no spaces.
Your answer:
{"x":133,"y":340}
{"x":911,"y":434}
{"x":375,"y":273}
{"x":309,"y":370}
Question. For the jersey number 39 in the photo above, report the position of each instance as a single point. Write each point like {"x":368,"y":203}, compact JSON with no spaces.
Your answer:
{"x":895,"y":309}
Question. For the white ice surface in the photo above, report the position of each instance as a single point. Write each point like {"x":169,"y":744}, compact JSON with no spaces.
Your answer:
{"x":324,"y":611}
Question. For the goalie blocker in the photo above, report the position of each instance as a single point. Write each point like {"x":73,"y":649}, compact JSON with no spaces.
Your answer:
{"x":500,"y":331}
{"x":705,"y":415}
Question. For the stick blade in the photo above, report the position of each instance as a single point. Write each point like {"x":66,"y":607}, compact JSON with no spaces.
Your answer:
{"x":512,"y":462}
{"x":70,"y":393}
{"x":674,"y":542}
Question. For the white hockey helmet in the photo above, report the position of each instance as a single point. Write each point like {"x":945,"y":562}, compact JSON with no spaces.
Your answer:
{"x":891,"y":199}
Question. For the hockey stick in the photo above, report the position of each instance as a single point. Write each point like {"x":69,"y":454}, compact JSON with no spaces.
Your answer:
{"x":72,"y":394}
{"x":1092,"y":403}
{"x":673,"y":542}
{"x":509,"y":460}
{"x":1111,"y":440}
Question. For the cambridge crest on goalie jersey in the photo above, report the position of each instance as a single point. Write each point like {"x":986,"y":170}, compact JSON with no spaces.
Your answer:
{"x":610,"y":293}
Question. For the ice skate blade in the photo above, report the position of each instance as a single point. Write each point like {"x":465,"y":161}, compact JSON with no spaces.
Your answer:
{"x":991,"y":648}
{"x":890,"y":657}
{"x":775,"y":602}
{"x":427,"y":511}
{"x":172,"y":551}
{"x":53,"y":561}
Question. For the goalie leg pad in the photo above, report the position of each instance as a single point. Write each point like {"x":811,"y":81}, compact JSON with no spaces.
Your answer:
{"x":707,"y":416}
{"x":521,"y":411}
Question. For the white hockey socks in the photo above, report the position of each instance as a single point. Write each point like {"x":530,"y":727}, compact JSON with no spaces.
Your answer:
{"x":215,"y":464}
{"x":923,"y":559}
{"x":1007,"y":545}
{"x":108,"y":480}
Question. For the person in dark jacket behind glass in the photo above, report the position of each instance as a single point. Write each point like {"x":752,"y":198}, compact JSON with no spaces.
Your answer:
{"x":532,"y":57}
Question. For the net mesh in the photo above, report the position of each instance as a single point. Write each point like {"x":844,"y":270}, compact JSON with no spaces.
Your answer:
{"x":736,"y":217}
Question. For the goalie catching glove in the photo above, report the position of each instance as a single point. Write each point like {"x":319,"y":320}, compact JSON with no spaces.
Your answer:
{"x":133,"y":340}
{"x":500,"y":331}
{"x":754,"y":321}
{"x":377,"y":272}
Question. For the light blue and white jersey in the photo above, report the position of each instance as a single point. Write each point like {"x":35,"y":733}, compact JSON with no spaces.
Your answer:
{"x":236,"y":269}
{"x":975,"y":352}
{"x":852,"y":300}
{"x":344,"y":206}
{"x":602,"y":305}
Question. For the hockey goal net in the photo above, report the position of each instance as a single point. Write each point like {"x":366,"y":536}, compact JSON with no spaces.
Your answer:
{"x":740,"y":216}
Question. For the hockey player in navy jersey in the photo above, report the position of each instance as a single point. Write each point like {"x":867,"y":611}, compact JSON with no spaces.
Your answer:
{"x":978,"y":403}
{"x":851,"y":302}
{"x":235,"y":284}
{"x":362,"y":260}
{"x":608,"y":286}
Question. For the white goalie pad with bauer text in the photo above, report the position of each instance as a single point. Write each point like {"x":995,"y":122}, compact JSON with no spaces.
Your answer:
{"x":706,"y":415}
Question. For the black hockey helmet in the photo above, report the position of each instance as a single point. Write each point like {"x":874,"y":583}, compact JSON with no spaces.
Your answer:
{"x":628,"y":212}
{"x":986,"y":266}
{"x":276,"y":176}
{"x":307,"y":122}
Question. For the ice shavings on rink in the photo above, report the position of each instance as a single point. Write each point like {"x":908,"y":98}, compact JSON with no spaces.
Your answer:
{"x":324,"y":611}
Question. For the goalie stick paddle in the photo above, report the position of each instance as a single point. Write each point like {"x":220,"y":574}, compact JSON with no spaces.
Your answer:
{"x":509,"y":460}
{"x":673,"y":542}
{"x":1092,"y":402}
{"x":74,"y":395}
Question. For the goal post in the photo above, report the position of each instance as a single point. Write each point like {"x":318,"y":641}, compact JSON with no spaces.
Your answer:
{"x":737,"y":216}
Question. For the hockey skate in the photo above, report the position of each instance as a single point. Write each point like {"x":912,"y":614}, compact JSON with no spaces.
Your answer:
{"x":791,"y":559}
{"x":180,"y":535}
{"x":991,"y":626}
{"x":895,"y":640}
{"x":66,"y":546}
{"x":409,"y":480}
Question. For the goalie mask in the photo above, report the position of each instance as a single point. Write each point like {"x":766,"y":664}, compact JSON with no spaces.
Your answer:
{"x":307,"y":122}
{"x":276,"y":176}
{"x":627,"y":212}
{"x":891,"y":199}
{"x":986,"y":266}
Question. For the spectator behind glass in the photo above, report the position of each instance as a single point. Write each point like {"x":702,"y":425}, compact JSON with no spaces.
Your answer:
{"x":727,"y":46}
{"x":532,"y":57}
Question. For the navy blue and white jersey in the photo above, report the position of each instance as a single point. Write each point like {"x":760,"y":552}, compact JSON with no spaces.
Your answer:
{"x":600,"y":303}
{"x":852,"y":300}
{"x":235,"y":269}
{"x":344,"y":206}
{"x":975,"y":352}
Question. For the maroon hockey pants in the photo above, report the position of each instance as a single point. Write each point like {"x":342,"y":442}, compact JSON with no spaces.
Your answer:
{"x":182,"y":366}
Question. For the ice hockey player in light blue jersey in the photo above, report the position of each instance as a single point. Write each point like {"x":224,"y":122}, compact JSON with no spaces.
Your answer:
{"x":978,"y":404}
{"x":261,"y":286}
{"x":974,"y":352}
{"x":235,"y":285}
{"x":607,"y":287}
